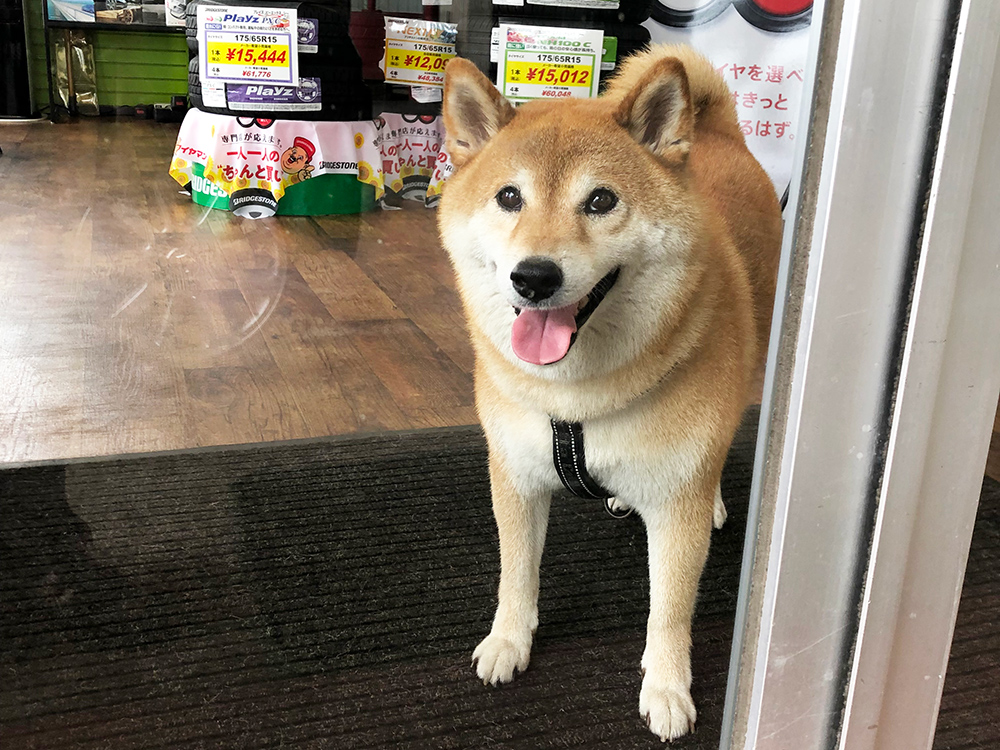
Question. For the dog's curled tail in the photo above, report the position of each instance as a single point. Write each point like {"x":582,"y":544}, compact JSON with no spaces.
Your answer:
{"x":711,"y":99}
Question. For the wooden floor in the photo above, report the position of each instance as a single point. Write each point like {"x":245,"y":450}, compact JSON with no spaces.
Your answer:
{"x":132,"y":320}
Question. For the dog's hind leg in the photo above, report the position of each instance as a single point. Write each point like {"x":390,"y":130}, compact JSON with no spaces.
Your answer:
{"x":719,"y":514}
{"x":678,"y":532}
{"x":522,"y":520}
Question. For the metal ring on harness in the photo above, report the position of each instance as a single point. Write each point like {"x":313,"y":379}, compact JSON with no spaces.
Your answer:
{"x":616,"y":513}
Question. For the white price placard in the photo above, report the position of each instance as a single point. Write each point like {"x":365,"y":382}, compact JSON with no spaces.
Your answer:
{"x":545,"y":62}
{"x":248,"y":44}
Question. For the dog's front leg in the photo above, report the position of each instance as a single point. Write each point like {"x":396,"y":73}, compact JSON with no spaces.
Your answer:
{"x":522,"y":518}
{"x":678,"y":532}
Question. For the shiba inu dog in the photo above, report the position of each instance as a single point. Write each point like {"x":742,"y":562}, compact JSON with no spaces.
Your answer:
{"x":616,"y":258}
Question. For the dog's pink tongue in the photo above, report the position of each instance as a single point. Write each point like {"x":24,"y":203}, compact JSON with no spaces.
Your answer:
{"x":542,"y":337}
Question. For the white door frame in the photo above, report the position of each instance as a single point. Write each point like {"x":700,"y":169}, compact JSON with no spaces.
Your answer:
{"x":883,"y":377}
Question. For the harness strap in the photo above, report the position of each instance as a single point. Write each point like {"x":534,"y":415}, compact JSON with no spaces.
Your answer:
{"x":571,"y":465}
{"x":571,"y":462}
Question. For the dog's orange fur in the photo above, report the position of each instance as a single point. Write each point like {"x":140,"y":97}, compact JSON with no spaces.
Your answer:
{"x":659,"y":421}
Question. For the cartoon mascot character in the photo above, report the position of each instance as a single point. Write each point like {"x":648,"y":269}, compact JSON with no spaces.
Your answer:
{"x":296,"y":160}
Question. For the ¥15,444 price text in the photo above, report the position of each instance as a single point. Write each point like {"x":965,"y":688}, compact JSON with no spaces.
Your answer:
{"x":257,"y":57}
{"x":229,"y":53}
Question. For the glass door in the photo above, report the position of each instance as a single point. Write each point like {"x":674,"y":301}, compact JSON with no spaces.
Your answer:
{"x":882,"y":376}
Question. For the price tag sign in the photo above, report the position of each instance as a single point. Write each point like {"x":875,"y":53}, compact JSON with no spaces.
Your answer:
{"x":416,"y":51}
{"x":541,"y":62}
{"x":248,"y":44}
{"x":552,"y":70}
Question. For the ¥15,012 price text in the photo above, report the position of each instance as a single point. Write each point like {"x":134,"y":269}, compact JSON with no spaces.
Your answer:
{"x":576,"y":75}
{"x":564,"y":77}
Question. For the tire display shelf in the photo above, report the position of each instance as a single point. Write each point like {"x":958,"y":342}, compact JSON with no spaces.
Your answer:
{"x":258,"y":167}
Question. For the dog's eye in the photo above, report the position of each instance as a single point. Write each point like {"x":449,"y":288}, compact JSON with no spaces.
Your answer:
{"x":509,"y":198}
{"x":601,"y":201}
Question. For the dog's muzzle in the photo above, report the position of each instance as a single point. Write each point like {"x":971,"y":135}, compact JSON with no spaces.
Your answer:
{"x":542,"y":336}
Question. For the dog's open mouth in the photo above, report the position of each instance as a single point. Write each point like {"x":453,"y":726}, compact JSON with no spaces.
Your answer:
{"x":543,"y":336}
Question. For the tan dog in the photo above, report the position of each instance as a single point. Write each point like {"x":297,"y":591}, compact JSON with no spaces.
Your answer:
{"x":616,"y":258}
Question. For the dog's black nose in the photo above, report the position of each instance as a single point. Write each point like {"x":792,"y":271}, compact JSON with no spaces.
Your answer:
{"x":536,"y":278}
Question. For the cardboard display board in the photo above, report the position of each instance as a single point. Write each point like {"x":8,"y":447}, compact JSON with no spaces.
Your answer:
{"x":760,"y":48}
{"x":248,"y":164}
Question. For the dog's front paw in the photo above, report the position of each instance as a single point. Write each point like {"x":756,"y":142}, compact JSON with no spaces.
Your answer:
{"x":668,"y":710}
{"x":497,"y":658}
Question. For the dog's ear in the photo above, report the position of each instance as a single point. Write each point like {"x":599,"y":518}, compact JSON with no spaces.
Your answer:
{"x":657,"y":111}
{"x":473,"y":109}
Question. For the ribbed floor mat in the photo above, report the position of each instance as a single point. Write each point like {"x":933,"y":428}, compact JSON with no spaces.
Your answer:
{"x":323,"y":594}
{"x":330,"y":593}
{"x":970,"y":707}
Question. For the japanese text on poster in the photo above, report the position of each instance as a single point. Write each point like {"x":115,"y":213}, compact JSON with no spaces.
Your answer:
{"x":414,"y":162}
{"x":762,"y":111}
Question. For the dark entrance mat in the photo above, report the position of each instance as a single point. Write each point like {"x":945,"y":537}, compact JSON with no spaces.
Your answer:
{"x":970,"y":706}
{"x":324,"y":594}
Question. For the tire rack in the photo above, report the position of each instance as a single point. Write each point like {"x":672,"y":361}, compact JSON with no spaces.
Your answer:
{"x":56,"y":110}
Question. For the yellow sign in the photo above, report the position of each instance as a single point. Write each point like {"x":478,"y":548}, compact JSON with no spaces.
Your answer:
{"x":549,"y":74}
{"x":402,"y":59}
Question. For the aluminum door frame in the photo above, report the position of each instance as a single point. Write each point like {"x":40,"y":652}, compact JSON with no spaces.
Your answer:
{"x":883,"y":376}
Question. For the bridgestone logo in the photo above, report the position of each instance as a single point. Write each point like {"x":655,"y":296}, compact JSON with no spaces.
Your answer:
{"x":255,"y":197}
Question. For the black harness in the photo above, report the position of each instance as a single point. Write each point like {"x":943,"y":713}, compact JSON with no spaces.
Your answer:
{"x":567,"y":437}
{"x":571,"y":465}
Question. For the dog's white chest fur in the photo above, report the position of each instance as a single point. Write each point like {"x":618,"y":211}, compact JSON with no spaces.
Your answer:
{"x":619,"y":455}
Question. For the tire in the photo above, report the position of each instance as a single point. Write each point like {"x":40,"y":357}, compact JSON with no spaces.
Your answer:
{"x":799,"y":17}
{"x":686,"y":19}
{"x":334,"y":19}
{"x":477,"y":25}
{"x":474,"y":48}
{"x":191,"y":28}
{"x":627,"y":32}
{"x":194,"y":81}
{"x":630,"y":38}
{"x":629,"y":11}
{"x":344,"y":95}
